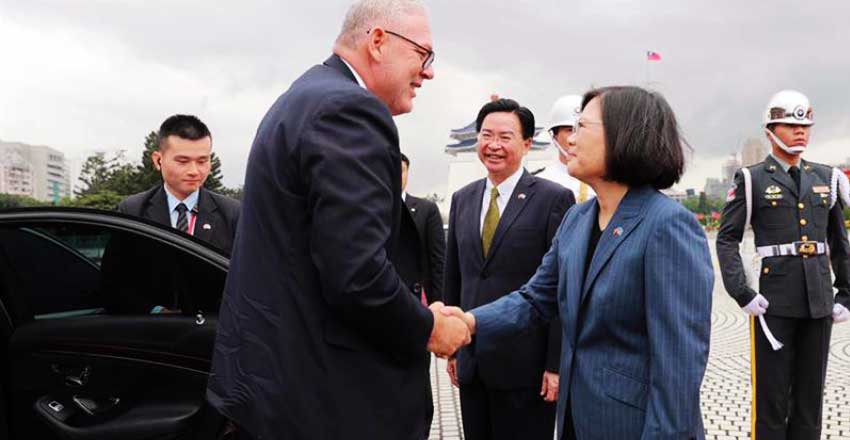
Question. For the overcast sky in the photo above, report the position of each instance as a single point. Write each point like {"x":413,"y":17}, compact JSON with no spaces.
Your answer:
{"x":98,"y":75}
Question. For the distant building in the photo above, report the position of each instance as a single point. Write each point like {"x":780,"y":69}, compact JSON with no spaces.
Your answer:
{"x":729,"y":167}
{"x":36,"y":171}
{"x":754,"y":151}
{"x":716,"y":188}
{"x":675,"y":194}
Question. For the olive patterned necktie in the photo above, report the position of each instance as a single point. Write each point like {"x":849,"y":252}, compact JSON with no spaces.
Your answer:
{"x":491,"y":221}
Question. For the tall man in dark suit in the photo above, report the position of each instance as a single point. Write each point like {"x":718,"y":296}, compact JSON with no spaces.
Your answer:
{"x":432,"y":240}
{"x":318,"y":336}
{"x":181,"y":202}
{"x":499,"y":229}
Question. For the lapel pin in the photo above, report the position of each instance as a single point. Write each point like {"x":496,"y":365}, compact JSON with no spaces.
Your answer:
{"x":412,"y":209}
{"x":617,"y":231}
{"x":521,"y":196}
{"x":207,"y":226}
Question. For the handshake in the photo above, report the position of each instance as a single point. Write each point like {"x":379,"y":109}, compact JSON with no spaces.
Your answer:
{"x":453,"y":328}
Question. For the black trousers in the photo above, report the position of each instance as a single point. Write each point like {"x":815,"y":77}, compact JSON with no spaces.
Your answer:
{"x":505,"y":415}
{"x":788,"y":384}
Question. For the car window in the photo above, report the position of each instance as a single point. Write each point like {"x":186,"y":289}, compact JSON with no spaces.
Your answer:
{"x":54,"y":271}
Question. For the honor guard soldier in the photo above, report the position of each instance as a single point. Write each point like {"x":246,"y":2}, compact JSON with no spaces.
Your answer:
{"x":798,"y":225}
{"x":562,"y":120}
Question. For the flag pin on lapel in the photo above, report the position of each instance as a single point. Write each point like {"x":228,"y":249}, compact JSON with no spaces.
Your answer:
{"x":207,"y":226}
{"x":617,"y":231}
{"x":521,"y":196}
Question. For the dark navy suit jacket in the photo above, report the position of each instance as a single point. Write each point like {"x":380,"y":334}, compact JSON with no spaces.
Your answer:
{"x":318,"y":337}
{"x":635,"y":331}
{"x":522,"y":238}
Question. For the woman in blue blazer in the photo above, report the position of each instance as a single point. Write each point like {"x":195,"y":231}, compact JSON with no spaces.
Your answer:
{"x":630,"y":275}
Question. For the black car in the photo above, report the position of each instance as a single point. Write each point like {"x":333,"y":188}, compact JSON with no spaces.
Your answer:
{"x":107,"y":324}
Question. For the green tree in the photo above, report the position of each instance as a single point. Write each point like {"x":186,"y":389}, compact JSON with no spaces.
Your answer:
{"x":17,"y":201}
{"x":105,"y":200}
{"x":213,"y":182}
{"x":147,"y":175}
{"x":95,"y":173}
{"x":235,"y":193}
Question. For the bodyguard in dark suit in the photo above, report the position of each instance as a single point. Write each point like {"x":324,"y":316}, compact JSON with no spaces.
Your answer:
{"x":214,"y":216}
{"x":798,"y":225}
{"x":318,"y":336}
{"x":432,"y":239}
{"x":630,"y":275}
{"x":499,"y":229}
{"x":183,"y":157}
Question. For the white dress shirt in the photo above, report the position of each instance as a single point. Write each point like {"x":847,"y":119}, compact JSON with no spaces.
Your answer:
{"x":506,"y":190}
{"x":356,"y":76}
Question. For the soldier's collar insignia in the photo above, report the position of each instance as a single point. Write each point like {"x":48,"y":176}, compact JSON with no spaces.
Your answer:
{"x":771,"y":168}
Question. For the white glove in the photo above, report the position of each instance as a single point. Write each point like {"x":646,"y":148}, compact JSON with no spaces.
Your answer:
{"x":757,"y":306}
{"x":840,"y":314}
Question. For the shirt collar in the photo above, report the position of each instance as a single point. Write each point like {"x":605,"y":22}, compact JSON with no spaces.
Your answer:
{"x":354,"y":72}
{"x":785,"y":165}
{"x":173,"y":201}
{"x":506,"y":188}
{"x":403,"y":196}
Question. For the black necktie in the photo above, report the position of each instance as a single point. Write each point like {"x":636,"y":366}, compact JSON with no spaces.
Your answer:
{"x":795,"y":174}
{"x":182,"y":219}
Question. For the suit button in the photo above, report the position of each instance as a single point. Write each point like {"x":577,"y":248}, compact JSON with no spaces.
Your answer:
{"x":803,"y":222}
{"x":773,"y":203}
{"x":804,"y":238}
{"x":766,"y":270}
{"x":801,"y":206}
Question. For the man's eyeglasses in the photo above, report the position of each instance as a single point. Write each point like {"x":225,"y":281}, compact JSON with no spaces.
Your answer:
{"x":428,"y":53}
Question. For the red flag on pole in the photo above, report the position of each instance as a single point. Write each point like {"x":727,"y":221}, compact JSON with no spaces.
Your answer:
{"x":653,"y":56}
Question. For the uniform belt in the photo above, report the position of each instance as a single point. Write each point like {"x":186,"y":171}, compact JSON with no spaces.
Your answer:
{"x":797,"y":248}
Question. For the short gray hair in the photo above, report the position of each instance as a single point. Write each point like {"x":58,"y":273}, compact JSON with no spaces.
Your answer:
{"x":365,"y":14}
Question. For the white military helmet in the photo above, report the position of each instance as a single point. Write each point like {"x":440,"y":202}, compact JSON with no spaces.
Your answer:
{"x":565,"y":112}
{"x":789,"y":107}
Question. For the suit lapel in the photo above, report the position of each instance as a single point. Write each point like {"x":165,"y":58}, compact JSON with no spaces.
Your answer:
{"x":783,"y":178}
{"x":474,"y":222}
{"x":576,"y":249}
{"x":519,"y":200}
{"x":157,"y":209}
{"x":627,"y":216}
{"x":205,"y":223}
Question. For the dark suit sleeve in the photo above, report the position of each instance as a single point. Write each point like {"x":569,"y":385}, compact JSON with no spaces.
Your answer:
{"x":436,"y":244}
{"x":451,"y":286}
{"x":562,"y":203}
{"x":732,"y":225}
{"x":678,"y":280}
{"x":839,"y":253}
{"x":348,"y":162}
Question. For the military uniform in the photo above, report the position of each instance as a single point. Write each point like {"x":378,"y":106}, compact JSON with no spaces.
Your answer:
{"x":798,"y":230}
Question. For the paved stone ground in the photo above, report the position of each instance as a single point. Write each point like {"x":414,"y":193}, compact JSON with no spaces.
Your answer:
{"x":725,"y":390}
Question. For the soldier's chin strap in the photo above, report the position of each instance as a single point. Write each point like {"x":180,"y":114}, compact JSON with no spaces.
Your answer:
{"x":790,"y":150}
{"x":559,"y":147}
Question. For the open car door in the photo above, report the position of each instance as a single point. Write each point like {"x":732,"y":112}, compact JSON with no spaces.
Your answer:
{"x":107,"y":325}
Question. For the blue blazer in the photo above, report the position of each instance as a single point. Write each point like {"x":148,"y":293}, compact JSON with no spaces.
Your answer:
{"x":635,"y":331}
{"x":318,"y":337}
{"x":523,"y":236}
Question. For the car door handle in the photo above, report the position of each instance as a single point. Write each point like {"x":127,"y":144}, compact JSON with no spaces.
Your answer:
{"x":74,"y":378}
